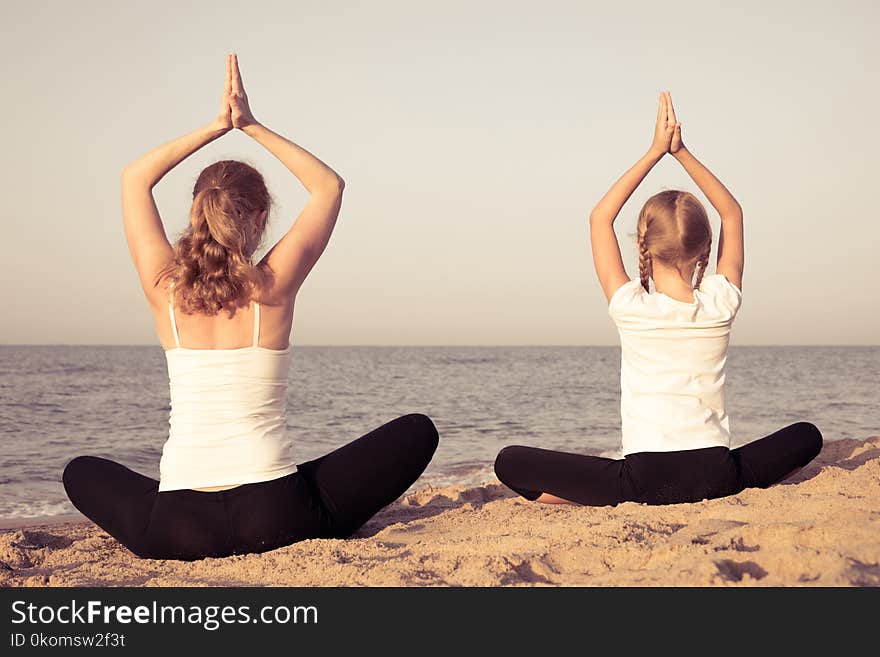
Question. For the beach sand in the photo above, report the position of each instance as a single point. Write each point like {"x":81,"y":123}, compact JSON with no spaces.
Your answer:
{"x":819,"y":528}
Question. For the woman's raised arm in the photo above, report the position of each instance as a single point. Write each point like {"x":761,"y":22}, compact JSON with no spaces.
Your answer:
{"x":294,"y":255}
{"x":147,"y":241}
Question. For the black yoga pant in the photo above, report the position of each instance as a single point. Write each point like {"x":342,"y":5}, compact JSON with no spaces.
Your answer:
{"x":329,"y":497}
{"x":658,"y":477}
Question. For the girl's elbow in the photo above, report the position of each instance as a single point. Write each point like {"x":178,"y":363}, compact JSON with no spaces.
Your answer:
{"x":733,"y":213}
{"x":596,"y":219}
{"x":334,"y":184}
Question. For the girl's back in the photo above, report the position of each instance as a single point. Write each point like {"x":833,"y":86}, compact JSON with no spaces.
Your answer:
{"x":675,"y":431}
{"x":673,"y":356}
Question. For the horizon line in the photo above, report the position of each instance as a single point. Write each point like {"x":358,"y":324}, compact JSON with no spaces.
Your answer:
{"x":427,"y":346}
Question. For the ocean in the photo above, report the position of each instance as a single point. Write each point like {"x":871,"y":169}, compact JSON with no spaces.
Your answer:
{"x":57,"y":402}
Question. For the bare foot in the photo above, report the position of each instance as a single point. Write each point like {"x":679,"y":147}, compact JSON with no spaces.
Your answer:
{"x":547,"y":498}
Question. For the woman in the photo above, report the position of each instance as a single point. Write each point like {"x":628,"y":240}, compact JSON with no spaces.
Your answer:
{"x":228,"y":480}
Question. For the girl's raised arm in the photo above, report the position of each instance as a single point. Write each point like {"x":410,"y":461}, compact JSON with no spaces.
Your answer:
{"x":294,"y":255}
{"x":606,"y":250}
{"x":730,"y":240}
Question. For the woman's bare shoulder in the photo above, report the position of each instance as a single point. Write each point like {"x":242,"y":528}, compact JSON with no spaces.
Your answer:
{"x":270,"y":295}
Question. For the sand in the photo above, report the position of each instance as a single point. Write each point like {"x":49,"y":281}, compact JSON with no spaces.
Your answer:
{"x":819,"y":528}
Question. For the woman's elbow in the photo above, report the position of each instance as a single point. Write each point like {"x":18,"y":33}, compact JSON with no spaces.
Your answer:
{"x":131,"y":175}
{"x":333,"y":184}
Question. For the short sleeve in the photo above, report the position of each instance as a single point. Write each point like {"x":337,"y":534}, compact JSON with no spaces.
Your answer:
{"x":624,"y":298}
{"x":727,"y":295}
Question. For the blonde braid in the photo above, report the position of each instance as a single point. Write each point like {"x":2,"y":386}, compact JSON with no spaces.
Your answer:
{"x":645,"y":268}
{"x":702,"y":263}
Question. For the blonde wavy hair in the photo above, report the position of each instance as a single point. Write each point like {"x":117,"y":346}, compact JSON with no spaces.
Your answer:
{"x":212,"y":267}
{"x":673,"y":228}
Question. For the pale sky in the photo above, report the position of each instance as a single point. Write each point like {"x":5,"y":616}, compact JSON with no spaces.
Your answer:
{"x":474,"y":138}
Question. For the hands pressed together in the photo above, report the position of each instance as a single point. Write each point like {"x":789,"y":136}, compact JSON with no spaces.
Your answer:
{"x":667,"y":132}
{"x":235,"y":112}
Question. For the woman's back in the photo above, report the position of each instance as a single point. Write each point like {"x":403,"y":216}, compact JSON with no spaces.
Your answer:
{"x":673,"y":357}
{"x":201,"y":331}
{"x":228,"y":412}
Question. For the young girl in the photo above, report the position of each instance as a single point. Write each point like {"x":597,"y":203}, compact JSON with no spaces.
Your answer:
{"x":673,"y":340}
{"x":228,"y":481}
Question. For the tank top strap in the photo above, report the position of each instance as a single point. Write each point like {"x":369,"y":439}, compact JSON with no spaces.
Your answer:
{"x":256,"y":322}
{"x":171,"y":314}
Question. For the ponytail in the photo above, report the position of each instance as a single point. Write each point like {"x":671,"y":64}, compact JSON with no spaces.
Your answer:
{"x":212,"y":268}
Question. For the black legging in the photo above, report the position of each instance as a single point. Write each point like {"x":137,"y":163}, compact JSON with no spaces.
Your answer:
{"x":658,"y":477}
{"x":329,"y":497}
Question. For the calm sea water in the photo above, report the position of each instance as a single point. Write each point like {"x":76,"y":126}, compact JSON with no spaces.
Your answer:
{"x":57,"y":402}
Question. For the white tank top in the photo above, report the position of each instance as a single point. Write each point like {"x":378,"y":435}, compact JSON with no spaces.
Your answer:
{"x":228,"y":415}
{"x":672,"y":365}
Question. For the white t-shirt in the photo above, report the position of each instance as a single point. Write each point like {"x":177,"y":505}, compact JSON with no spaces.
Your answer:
{"x":672,"y":362}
